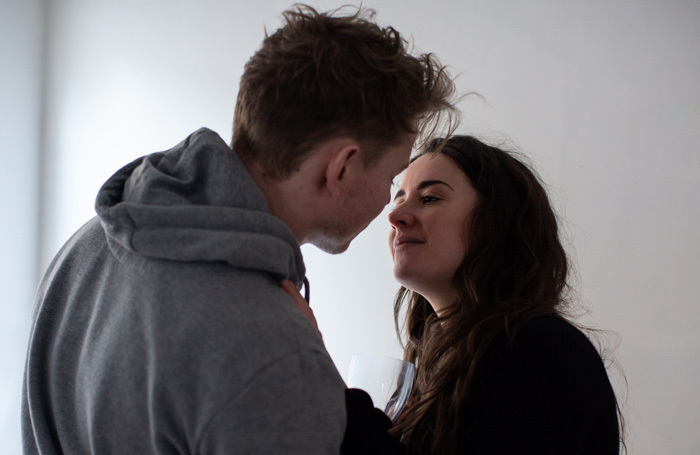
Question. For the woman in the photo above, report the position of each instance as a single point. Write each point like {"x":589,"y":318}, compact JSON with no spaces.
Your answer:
{"x":484,"y":278}
{"x":499,"y":370}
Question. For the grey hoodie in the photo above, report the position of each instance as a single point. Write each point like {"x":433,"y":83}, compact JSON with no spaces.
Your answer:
{"x":160,"y":328}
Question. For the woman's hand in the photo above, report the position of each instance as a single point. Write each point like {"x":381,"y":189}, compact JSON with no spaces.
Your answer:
{"x":299,"y":302}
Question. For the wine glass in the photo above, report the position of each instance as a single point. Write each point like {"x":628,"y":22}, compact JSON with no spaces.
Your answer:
{"x":387,"y":380}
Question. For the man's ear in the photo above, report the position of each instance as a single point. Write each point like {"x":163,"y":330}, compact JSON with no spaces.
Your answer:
{"x":337,"y":166}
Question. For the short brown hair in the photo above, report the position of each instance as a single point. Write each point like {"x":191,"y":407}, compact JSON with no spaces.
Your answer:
{"x":325,"y":74}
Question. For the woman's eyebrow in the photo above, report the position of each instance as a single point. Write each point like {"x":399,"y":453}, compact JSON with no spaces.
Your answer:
{"x":427,"y":183}
{"x":422,"y":185}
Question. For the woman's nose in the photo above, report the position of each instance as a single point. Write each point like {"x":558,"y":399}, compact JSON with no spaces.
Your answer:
{"x":400,"y":216}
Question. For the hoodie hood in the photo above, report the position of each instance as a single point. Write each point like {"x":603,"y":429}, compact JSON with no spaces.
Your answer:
{"x":196,"y":202}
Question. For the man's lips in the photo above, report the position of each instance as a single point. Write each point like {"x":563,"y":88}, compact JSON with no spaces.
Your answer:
{"x":406,"y":242}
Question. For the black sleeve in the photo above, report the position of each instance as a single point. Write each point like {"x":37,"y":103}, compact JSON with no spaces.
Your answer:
{"x":367,"y":429}
{"x":546,"y":393}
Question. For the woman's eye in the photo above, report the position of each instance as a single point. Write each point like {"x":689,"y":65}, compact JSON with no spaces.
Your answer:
{"x":427,"y":198}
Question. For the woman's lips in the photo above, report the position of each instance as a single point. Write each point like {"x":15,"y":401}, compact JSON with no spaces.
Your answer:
{"x":406,"y":242}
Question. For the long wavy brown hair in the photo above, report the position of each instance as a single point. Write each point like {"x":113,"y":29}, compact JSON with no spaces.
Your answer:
{"x":515,"y":269}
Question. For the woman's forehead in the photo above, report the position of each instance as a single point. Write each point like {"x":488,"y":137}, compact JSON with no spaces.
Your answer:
{"x":431,"y":166}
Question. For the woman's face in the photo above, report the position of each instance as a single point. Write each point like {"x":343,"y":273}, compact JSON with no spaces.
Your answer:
{"x":427,"y":237}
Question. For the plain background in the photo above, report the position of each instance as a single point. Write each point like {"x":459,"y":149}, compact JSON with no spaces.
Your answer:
{"x":602,"y":96}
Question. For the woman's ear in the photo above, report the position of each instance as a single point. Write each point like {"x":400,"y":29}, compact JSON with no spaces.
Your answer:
{"x":337,"y":166}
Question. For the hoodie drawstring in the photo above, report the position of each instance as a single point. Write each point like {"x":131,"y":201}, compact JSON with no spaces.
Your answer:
{"x":307,"y":290}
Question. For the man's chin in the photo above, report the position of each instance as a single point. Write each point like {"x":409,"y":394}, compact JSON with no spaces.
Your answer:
{"x":332,"y":248}
{"x":331,"y":245}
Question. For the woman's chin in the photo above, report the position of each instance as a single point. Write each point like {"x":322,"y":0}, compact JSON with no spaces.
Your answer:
{"x":408,"y":280}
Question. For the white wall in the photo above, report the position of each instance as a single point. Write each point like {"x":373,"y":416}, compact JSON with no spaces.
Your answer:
{"x":602,"y":95}
{"x":20,"y":133}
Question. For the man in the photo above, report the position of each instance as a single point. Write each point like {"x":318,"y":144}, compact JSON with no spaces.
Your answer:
{"x":160,"y":327}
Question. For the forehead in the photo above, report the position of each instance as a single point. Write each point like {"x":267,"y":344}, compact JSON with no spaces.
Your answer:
{"x":433,"y":166}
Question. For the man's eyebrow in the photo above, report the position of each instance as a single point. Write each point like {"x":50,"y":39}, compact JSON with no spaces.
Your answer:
{"x":422,"y":185}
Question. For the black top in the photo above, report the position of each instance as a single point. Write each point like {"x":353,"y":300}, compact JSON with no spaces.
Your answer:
{"x":367,"y":428}
{"x":544,"y":392}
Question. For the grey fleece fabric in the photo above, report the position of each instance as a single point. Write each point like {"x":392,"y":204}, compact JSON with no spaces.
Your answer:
{"x":160,"y":328}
